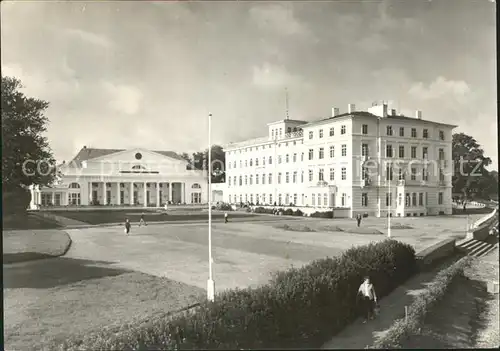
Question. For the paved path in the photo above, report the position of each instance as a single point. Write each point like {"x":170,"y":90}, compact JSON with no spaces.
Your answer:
{"x":358,"y":335}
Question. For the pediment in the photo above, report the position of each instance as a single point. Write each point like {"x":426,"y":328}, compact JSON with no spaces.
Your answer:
{"x":137,"y":157}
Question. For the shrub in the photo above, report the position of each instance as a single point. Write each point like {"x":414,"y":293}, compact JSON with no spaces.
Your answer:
{"x":298,"y":213}
{"x":421,"y":306}
{"x":225,"y":207}
{"x":288,"y":212}
{"x":327,"y":214}
{"x":263,"y":210}
{"x":299,"y":307}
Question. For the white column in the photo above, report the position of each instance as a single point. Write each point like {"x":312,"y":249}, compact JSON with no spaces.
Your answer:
{"x":66,"y":198}
{"x":104,"y":194}
{"x":183,"y":192}
{"x":171,"y":191}
{"x":118,"y":189}
{"x":158,"y":203}
{"x":90,"y":192}
{"x":53,"y":198}
{"x":145,"y":189}
{"x":131,"y":194}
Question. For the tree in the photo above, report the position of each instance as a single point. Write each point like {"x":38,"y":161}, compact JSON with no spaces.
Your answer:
{"x":200,"y":160}
{"x":26,"y":156}
{"x":470,"y":174}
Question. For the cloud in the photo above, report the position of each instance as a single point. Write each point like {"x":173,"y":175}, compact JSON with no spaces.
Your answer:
{"x":441,"y":88}
{"x":269,"y":75}
{"x":124,"y":98}
{"x":89,"y":37}
{"x":278,"y":18}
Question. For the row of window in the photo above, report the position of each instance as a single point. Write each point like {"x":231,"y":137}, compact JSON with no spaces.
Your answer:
{"x":389,"y":132}
{"x":410,"y":199}
{"x":249,"y":179}
{"x":278,"y":132}
{"x":320,"y":199}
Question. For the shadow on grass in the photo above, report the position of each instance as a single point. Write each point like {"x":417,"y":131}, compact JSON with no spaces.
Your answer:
{"x":57,"y":271}
{"x":17,"y":257}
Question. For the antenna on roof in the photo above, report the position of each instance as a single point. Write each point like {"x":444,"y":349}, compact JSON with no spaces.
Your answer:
{"x":286,"y":103}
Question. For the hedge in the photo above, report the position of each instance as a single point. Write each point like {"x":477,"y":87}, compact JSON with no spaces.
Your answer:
{"x":403,"y":328}
{"x":327,"y":214}
{"x":301,"y":307}
{"x":287,"y":212}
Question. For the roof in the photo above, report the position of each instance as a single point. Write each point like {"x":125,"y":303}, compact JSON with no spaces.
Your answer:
{"x":371,"y":115}
{"x":287,"y":120}
{"x":86,"y":154}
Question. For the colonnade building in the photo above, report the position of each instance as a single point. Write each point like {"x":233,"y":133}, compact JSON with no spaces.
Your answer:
{"x":376,"y":161}
{"x":136,"y":177}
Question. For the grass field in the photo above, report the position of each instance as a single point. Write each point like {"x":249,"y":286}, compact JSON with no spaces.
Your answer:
{"x":134,"y":215}
{"x":27,"y":221}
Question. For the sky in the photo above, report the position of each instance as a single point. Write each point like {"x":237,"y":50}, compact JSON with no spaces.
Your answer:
{"x":146,"y":74}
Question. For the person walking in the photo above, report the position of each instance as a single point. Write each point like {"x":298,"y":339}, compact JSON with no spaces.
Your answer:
{"x":225,"y":217}
{"x":142,"y":221}
{"x":358,"y":218}
{"x":166,"y":207}
{"x":127,"y":226}
{"x":368,"y":298}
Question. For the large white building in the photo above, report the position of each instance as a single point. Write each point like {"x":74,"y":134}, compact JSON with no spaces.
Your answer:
{"x":134,"y":177}
{"x":345,"y":161}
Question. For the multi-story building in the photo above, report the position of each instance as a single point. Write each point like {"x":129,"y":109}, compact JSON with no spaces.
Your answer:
{"x":374,"y":162}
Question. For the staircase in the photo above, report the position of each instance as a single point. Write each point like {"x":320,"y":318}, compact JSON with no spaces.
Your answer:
{"x":478,"y":248}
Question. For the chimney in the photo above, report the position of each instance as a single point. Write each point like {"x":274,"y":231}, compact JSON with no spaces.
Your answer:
{"x":351,"y":108}
{"x":335,"y":111}
{"x":393,"y":112}
{"x":418,"y":114}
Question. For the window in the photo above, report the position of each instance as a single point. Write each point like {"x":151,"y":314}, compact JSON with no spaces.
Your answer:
{"x":302,"y":177}
{"x":303,"y":199}
{"x":425,"y":175}
{"x":246,"y":180}
{"x":295,"y":177}
{"x":388,"y":199}
{"x":332,"y":174}
{"x":234,"y":181}
{"x":407,"y":200}
{"x":414,"y":199}
{"x":325,"y":200}
{"x":256,"y":162}
{"x":388,"y":151}
{"x":401,"y":151}
{"x":270,"y":160}
{"x":263,"y":179}
{"x":251,"y":162}
{"x":302,"y":157}
{"x":344,"y":150}
{"x":263,"y":198}
{"x":321,"y":175}
{"x":229,"y":165}
{"x":286,"y":158}
{"x":270,"y":198}
{"x":310,"y":135}
{"x":229,"y":181}
{"x":421,"y":199}
{"x":279,"y":178}
{"x":196,"y":186}
{"x":241,"y":163}
{"x":319,"y":199}
{"x":279,"y":199}
{"x":241,"y":180}
{"x":401,"y":131}
{"x":270,"y":178}
{"x":246,"y":163}
{"x":400,"y":174}
{"x":234,"y":164}
{"x":294,"y":199}
{"x":389,"y":173}
{"x":294,"y":157}
{"x":441,"y":154}
{"x":344,"y":199}
{"x":311,"y":154}
{"x":321,"y":133}
{"x":272,"y":133}
{"x":413,"y":173}
{"x":287,"y":178}
{"x":279,"y":159}
{"x":256,"y":179}
{"x":424,"y":153}
{"x":414,"y":132}
{"x":425,"y":133}
{"x":321,"y":153}
{"x":441,"y":135}
{"x":289,"y":130}
{"x":310,"y":175}
{"x":74,"y":186}
{"x":332,"y":131}
{"x":413,"y":152}
{"x":344,"y":173}
{"x":332,"y":151}
{"x":364,"y":199}
{"x":389,"y":130}
{"x":342,"y":129}
{"x":313,"y":199}
{"x":364,"y":149}
{"x":364,"y":129}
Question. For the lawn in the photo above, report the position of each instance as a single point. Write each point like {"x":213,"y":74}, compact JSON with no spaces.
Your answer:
{"x":134,"y":215}
{"x":25,"y":221}
{"x":26,"y":245}
{"x":50,"y":300}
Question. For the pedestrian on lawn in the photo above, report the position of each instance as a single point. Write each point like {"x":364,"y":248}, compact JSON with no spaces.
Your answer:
{"x":127,"y":226}
{"x":358,"y":218}
{"x":225,"y":217}
{"x":368,"y":298}
{"x":166,"y":207}
{"x":142,"y":221}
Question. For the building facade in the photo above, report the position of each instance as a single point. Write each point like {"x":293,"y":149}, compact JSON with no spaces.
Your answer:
{"x":134,"y":177}
{"x":375,"y":162}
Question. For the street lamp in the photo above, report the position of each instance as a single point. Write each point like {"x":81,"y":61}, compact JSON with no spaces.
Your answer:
{"x":210,"y":282}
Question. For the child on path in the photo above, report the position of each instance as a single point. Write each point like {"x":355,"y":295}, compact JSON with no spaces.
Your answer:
{"x":225,"y":217}
{"x":127,"y":226}
{"x":368,"y":298}
{"x":141,"y":222}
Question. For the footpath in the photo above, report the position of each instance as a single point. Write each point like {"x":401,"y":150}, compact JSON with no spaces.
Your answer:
{"x":358,"y":335}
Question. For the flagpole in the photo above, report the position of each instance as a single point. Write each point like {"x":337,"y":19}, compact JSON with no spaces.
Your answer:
{"x":210,"y":282}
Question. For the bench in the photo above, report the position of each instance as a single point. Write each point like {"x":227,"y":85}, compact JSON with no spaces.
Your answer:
{"x":436,"y":252}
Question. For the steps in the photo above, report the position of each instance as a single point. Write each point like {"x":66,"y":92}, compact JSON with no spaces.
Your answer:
{"x":477,"y":248}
